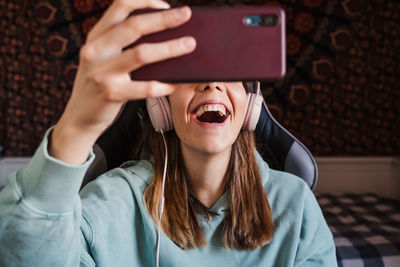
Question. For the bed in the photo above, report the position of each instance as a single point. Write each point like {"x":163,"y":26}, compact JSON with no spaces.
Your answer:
{"x":365,"y":227}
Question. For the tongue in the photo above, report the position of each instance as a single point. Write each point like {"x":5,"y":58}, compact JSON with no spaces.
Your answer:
{"x":211,"y":117}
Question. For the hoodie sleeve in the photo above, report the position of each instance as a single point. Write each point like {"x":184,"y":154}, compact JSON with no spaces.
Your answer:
{"x":40,"y":214}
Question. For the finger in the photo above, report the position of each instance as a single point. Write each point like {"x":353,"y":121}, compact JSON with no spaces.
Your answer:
{"x":124,"y":89}
{"x":130,"y":30}
{"x":119,"y":11}
{"x":145,"y":89}
{"x":148,"y":53}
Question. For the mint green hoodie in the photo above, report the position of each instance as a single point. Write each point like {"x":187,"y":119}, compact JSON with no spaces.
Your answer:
{"x":46,"y":221}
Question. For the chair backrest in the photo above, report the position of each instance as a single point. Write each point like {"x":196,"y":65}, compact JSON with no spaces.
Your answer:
{"x":283,"y":150}
{"x":276,"y":145}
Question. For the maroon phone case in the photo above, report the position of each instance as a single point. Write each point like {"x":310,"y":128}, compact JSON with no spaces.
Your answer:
{"x":227,"y":49}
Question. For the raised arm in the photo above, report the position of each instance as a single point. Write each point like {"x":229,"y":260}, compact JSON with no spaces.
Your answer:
{"x":40,"y":209}
{"x":103,"y":83}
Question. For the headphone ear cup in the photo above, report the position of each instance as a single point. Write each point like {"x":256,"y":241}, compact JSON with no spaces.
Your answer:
{"x":160,"y":113}
{"x":253,"y":111}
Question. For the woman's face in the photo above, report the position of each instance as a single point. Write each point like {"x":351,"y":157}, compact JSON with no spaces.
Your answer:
{"x":208,"y":117}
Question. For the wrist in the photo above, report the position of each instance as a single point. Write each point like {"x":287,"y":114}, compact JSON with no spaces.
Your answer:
{"x":69,"y":144}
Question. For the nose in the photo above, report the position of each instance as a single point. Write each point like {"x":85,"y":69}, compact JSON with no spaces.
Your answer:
{"x":211,"y":86}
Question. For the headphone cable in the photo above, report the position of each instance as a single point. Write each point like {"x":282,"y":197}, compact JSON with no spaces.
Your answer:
{"x":161,"y":204}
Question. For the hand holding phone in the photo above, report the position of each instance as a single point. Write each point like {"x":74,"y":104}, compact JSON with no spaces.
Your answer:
{"x":103,"y":84}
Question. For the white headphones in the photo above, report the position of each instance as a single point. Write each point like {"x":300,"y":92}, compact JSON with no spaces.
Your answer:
{"x":160,"y":112}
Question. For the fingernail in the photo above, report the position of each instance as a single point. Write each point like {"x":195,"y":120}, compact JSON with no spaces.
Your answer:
{"x":162,"y":4}
{"x":181,"y":12}
{"x":188,"y":42}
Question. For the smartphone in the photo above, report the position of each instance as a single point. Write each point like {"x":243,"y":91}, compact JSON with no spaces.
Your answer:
{"x":240,"y":43}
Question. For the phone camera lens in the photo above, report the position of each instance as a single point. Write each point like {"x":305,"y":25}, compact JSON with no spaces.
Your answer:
{"x":268,"y":20}
{"x":248,"y":21}
{"x":251,"y":20}
{"x":261,"y":20}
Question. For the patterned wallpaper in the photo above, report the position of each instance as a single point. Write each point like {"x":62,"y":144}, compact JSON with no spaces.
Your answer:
{"x":340,"y":95}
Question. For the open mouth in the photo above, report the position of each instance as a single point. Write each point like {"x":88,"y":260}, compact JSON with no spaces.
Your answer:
{"x":212,"y":113}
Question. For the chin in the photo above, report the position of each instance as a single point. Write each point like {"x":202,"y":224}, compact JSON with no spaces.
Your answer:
{"x":208,"y":141}
{"x":212,"y":146}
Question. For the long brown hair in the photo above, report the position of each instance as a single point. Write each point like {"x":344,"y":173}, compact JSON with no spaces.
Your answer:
{"x":248,"y":220}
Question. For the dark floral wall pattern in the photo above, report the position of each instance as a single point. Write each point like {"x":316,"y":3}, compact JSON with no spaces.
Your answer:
{"x":340,"y":95}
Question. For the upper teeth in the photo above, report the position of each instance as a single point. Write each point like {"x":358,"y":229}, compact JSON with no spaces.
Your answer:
{"x":211,"y":107}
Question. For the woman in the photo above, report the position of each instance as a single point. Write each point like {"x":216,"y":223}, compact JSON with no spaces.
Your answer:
{"x":223,"y":205}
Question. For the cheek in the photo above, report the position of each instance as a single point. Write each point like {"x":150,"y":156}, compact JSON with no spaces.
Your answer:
{"x":179,"y":114}
{"x":239,"y":98}
{"x":242,"y":106}
{"x":178,"y":105}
